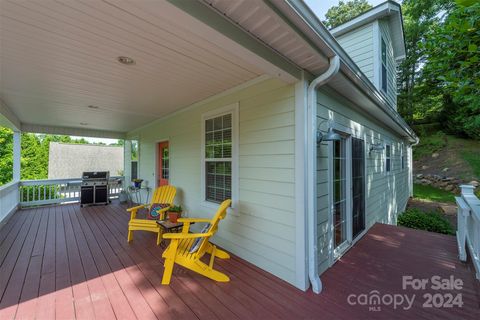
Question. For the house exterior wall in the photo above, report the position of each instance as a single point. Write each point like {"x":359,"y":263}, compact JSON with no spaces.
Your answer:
{"x":262,"y":230}
{"x":386,"y":195}
{"x":363,"y":45}
{"x":359,"y":46}
{"x":391,"y":64}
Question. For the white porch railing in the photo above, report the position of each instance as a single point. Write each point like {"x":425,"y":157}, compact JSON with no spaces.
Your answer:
{"x":9,"y":199}
{"x":468,"y":218}
{"x":40,"y":192}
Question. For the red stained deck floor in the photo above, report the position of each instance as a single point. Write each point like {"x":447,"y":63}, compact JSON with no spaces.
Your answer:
{"x":64,"y":262}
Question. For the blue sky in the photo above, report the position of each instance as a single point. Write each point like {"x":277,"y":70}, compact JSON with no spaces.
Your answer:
{"x":320,"y":7}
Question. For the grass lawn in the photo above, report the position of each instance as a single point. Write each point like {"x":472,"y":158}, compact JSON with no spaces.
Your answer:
{"x":473,"y":158}
{"x":430,"y":193}
{"x":430,"y":144}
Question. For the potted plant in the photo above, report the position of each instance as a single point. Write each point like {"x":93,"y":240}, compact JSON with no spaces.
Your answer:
{"x":174,"y":213}
{"x":137,"y":183}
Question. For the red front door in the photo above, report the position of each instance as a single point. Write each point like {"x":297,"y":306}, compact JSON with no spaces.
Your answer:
{"x":163,"y":165}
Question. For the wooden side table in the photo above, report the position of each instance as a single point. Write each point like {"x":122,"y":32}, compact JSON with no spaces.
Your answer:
{"x":169,"y":227}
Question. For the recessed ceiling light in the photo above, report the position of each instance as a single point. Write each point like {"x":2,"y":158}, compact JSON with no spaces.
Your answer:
{"x":125,"y":60}
{"x":83,"y":124}
{"x":93,"y":107}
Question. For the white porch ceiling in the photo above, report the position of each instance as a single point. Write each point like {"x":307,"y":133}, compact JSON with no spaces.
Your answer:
{"x":59,"y":57}
{"x":260,"y":19}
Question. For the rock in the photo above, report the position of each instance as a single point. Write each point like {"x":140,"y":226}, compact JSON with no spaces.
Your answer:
{"x":425,"y":181}
{"x":448,"y":179}
{"x":419,"y":176}
{"x":437,"y":177}
{"x":424,"y":167}
{"x":435,"y":155}
{"x":449,"y":209}
{"x":445,"y":169}
{"x":474,"y":183}
{"x":449,"y":187}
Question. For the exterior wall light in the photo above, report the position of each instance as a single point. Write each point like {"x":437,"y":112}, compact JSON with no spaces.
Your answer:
{"x":329,"y":136}
{"x":376,"y":147}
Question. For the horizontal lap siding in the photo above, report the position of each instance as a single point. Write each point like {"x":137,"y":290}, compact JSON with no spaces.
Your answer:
{"x":359,"y":46}
{"x":262,"y":231}
{"x":386,"y":195}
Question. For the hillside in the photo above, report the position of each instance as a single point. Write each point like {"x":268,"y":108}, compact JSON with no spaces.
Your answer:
{"x":447,"y":156}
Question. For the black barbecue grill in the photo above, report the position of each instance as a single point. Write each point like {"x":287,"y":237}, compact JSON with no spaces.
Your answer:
{"x":94,"y":188}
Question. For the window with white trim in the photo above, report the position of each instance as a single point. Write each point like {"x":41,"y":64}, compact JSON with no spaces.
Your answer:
{"x":404,"y":157}
{"x":384,"y":67}
{"x":218,"y":157}
{"x":388,"y":158}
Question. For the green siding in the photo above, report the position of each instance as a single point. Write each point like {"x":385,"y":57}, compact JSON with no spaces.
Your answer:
{"x":359,"y":46}
{"x":386,"y":194}
{"x":262,"y":231}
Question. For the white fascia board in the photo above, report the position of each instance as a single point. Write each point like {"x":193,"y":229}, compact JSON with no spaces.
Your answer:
{"x":378,"y":12}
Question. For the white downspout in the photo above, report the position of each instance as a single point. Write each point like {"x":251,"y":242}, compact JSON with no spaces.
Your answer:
{"x":312,"y":169}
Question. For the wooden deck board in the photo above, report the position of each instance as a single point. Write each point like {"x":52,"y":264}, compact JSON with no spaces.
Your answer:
{"x":71,"y":262}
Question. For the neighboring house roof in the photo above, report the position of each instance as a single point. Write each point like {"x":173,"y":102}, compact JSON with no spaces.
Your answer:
{"x":293,"y":31}
{"x":68,"y":161}
{"x":391,"y":10}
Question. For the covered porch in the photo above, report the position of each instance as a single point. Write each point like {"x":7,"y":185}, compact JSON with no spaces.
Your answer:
{"x":66,"y":262}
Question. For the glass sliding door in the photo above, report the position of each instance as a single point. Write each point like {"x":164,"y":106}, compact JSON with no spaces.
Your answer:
{"x":358,"y":187}
{"x":339,"y":192}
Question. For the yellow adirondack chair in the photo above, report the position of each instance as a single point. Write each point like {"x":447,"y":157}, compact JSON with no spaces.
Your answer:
{"x":164,"y":195}
{"x":180,"y":249}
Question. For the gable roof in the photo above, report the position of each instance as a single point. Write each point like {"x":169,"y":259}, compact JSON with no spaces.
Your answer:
{"x":390,"y":10}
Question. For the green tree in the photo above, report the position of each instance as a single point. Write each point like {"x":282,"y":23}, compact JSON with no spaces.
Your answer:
{"x":6,"y":155}
{"x":416,"y":100}
{"x":453,"y":68}
{"x":345,"y":11}
{"x":34,"y":154}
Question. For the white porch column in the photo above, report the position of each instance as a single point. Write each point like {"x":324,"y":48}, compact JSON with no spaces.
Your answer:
{"x":127,"y":162}
{"x":17,"y":142}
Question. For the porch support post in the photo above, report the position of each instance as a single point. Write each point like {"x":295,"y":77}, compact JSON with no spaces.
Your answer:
{"x":17,"y":141}
{"x":301,"y":258}
{"x":127,"y":162}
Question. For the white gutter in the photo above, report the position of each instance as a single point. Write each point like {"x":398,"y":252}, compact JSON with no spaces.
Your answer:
{"x":312,"y":169}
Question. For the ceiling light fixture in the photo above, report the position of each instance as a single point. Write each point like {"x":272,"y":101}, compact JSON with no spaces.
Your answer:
{"x":126,"y":60}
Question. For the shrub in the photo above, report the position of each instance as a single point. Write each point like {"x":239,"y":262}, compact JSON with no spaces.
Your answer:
{"x":428,"y":221}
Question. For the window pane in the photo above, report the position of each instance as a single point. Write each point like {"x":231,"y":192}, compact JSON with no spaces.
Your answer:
{"x":384,"y":78}
{"x":384,"y":52}
{"x":227,"y":151}
{"x":209,"y":152}
{"x":217,"y":123}
{"x":209,"y":125}
{"x":217,"y":137}
{"x":227,"y":121}
{"x":209,"y":138}
{"x":218,"y":181}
